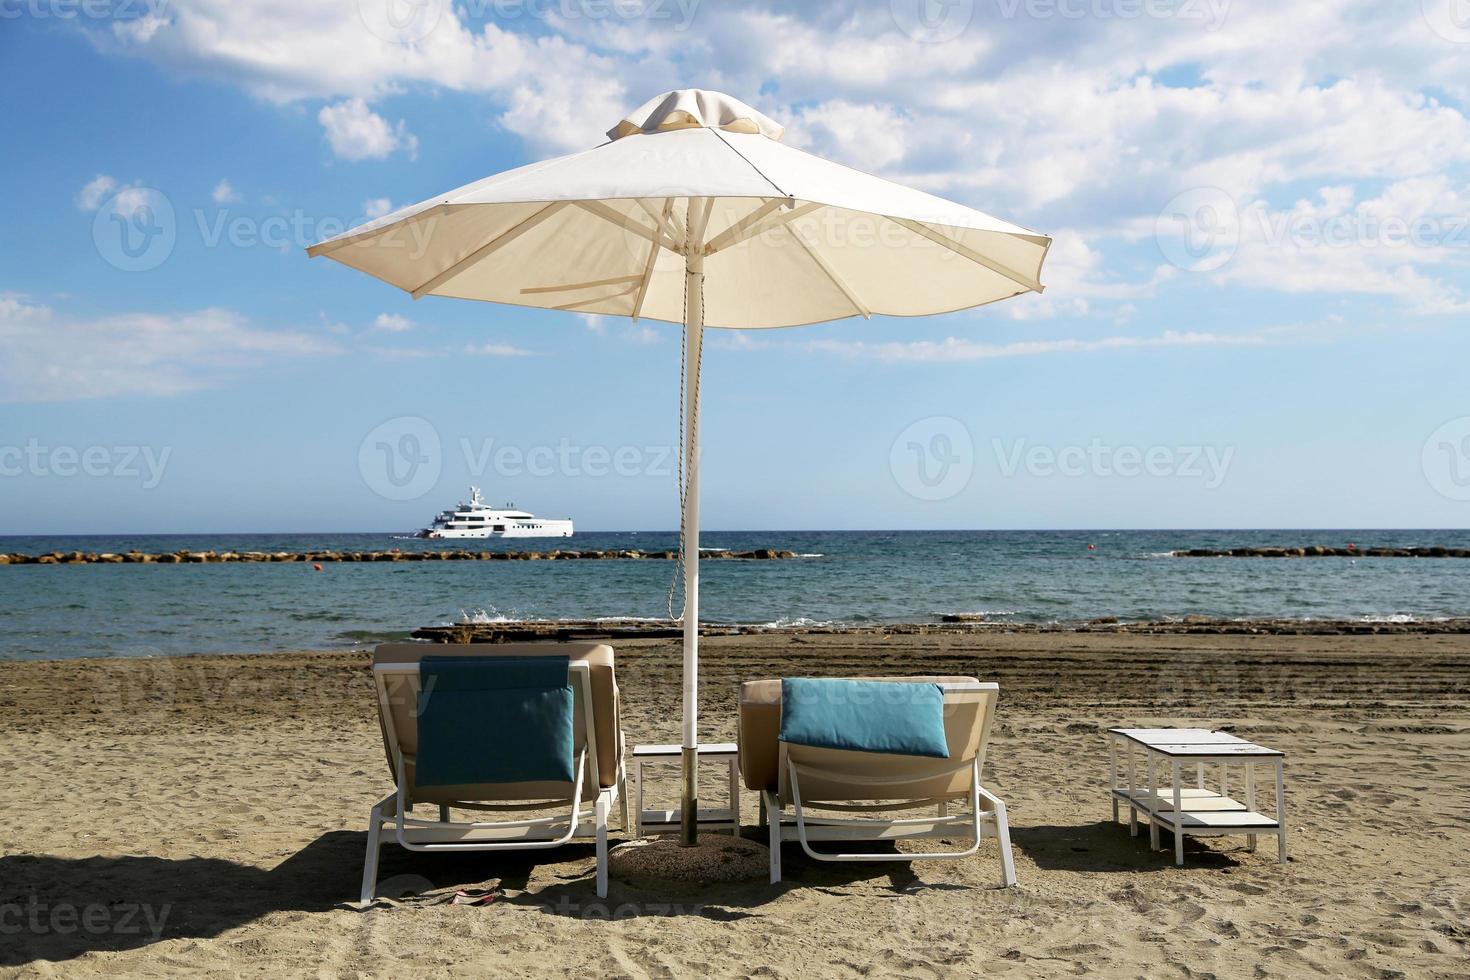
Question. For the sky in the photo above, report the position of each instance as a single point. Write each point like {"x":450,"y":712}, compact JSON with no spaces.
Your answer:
{"x":1254,"y":316}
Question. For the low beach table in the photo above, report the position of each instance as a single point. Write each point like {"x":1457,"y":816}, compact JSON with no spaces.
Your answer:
{"x":667,"y":821}
{"x":1197,"y":809}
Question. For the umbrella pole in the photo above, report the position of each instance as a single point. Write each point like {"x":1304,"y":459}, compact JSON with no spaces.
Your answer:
{"x":693,"y":342}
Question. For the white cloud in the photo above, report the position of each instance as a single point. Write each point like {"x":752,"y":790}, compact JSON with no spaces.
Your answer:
{"x":224,"y":193}
{"x":393,"y":323}
{"x":50,"y":356}
{"x":358,"y":133}
{"x":95,"y":191}
{"x":1087,"y":123}
{"x":376,"y":207}
{"x":497,"y":350}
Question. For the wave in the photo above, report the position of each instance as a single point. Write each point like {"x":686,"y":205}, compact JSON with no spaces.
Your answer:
{"x":799,"y":622}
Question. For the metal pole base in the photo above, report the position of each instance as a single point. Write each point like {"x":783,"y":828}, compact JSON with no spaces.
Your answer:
{"x":689,"y":800}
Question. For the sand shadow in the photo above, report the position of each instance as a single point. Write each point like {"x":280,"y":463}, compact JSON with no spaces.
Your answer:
{"x":1105,"y":846}
{"x":898,"y":879}
{"x":55,"y":908}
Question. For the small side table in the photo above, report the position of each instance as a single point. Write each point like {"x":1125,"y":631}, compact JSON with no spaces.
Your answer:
{"x":1198,"y":809}
{"x":667,"y":821}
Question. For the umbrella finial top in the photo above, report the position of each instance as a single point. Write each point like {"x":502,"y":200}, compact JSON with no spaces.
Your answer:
{"x":692,"y":108}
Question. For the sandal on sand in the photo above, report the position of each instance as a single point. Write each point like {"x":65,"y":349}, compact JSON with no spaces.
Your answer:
{"x":476,"y":896}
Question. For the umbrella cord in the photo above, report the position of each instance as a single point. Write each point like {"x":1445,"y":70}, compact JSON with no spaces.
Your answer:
{"x":678,"y":575}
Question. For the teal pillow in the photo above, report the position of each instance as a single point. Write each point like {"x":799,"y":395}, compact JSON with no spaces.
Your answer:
{"x":894,"y":717}
{"x":494,"y":720}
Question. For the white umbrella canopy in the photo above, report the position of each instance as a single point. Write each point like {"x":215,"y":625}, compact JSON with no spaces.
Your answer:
{"x":788,"y":238}
{"x":695,"y":212}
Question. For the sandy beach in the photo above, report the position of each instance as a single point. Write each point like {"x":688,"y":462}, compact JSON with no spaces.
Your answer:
{"x":207,"y":814}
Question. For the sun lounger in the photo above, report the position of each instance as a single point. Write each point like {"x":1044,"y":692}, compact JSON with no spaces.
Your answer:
{"x":503,"y":729}
{"x":846,"y":785}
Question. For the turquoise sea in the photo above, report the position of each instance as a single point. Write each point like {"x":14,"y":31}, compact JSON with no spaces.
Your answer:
{"x":846,"y":577}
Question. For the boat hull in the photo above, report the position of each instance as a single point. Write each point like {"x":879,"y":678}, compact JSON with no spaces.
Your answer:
{"x":540,"y":529}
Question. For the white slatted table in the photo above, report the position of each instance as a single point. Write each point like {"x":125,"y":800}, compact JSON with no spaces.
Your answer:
{"x":667,"y":821}
{"x":1198,"y":809}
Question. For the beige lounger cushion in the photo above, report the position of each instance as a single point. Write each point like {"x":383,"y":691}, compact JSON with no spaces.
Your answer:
{"x":966,"y":718}
{"x":606,"y":721}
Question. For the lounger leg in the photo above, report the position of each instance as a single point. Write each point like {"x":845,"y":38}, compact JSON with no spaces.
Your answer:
{"x":1003,"y":838}
{"x":1178,"y":819}
{"x":1113,"y":773}
{"x":603,"y":806}
{"x":1250,"y":799}
{"x":370,"y":862}
{"x":1153,"y":821}
{"x":734,"y":798}
{"x":1280,"y":813}
{"x":637,"y":799}
{"x":773,"y":818}
{"x":623,"y":802}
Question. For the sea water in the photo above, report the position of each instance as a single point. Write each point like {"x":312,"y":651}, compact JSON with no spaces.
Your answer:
{"x":842,"y":578}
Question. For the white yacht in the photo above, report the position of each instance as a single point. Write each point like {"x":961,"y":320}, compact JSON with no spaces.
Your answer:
{"x":478,"y":519}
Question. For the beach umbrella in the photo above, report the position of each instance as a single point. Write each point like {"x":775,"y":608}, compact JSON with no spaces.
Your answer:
{"x":695,"y":212}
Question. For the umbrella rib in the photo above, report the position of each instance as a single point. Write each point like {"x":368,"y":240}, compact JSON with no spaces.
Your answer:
{"x":328,"y":247}
{"x":666,"y":222}
{"x":959,"y":248}
{"x":736,"y":227}
{"x":648,"y":263}
{"x":595,"y":299}
{"x":504,"y":238}
{"x":837,"y":280}
{"x":696,"y":232}
{"x":567,"y":286}
{"x":760,"y":227}
{"x":625,"y":222}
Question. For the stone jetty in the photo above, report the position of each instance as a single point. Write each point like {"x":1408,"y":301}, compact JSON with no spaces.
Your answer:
{"x":316,"y":557}
{"x":1319,"y":551}
{"x":631,"y":629}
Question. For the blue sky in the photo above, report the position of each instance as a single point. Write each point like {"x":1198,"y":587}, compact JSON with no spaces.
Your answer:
{"x":1254,"y":317}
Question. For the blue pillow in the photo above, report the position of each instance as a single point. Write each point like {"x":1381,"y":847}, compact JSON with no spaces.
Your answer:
{"x":898,"y":718}
{"x":494,"y":720}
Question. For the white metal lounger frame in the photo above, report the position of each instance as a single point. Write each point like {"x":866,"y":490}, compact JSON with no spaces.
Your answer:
{"x":500,"y":835}
{"x":978,"y":821}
